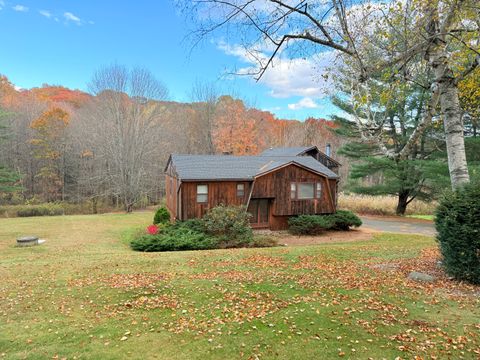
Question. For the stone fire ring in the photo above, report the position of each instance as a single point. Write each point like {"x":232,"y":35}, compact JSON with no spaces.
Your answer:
{"x":27,"y":241}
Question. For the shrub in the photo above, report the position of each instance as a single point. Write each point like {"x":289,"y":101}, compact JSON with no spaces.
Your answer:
{"x":309,"y":224}
{"x":230,"y":225}
{"x":183,"y":235}
{"x":457,"y":221}
{"x":162,"y":216}
{"x":192,"y":224}
{"x":316,"y":224}
{"x":344,"y":219}
{"x":180,"y":240}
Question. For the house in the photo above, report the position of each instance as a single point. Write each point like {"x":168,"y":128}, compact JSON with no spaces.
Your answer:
{"x":274,"y":185}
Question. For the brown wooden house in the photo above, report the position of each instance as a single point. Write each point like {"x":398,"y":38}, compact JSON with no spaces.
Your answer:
{"x":275,"y":185}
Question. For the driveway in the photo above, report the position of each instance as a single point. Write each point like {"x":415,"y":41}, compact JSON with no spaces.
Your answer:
{"x":399,"y":225}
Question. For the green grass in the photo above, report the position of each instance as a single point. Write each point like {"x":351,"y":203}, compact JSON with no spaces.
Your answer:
{"x":423,"y":217}
{"x":84,"y":290}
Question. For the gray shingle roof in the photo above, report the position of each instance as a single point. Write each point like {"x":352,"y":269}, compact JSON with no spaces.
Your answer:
{"x":286,"y":151}
{"x":228,"y":167}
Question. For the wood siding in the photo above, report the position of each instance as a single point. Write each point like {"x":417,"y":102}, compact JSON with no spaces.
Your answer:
{"x":276,"y":185}
{"x":219,"y":192}
{"x":171,"y":195}
{"x":181,"y":197}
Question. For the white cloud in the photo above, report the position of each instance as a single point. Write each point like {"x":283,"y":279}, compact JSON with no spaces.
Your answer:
{"x":71,"y":17}
{"x":45,"y":13}
{"x":287,"y":77}
{"x":20,"y":8}
{"x":305,"y":103}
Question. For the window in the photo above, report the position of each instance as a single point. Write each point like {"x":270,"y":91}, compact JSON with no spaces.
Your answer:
{"x":318,"y":190}
{"x":171,"y":186}
{"x":240,"y":190}
{"x":306,"y":191}
{"x":202,"y":193}
{"x":293,"y":190}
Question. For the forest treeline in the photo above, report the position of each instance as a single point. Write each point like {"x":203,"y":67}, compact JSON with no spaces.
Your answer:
{"x":111,"y":145}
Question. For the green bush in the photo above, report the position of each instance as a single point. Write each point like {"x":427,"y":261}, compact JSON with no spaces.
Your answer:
{"x":48,"y":209}
{"x":316,"y":224}
{"x":344,"y":219}
{"x":222,"y":227}
{"x":162,"y":216}
{"x":186,"y":235}
{"x":230,"y":225}
{"x":308,"y":224}
{"x":457,"y":221}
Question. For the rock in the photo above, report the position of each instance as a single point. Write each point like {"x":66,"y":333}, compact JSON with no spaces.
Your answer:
{"x":418,"y":276}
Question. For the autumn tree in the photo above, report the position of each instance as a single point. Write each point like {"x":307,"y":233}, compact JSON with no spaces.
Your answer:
{"x":50,"y":147}
{"x":234,"y":132}
{"x":426,"y":32}
{"x":204,"y":96}
{"x":124,"y":121}
{"x":469,"y":91}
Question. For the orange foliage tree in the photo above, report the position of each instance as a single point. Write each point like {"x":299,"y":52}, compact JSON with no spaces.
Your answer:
{"x":49,"y":144}
{"x":234,"y":131}
{"x":60,"y":94}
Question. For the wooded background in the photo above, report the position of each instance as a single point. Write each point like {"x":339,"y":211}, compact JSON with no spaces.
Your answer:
{"x":112,"y":145}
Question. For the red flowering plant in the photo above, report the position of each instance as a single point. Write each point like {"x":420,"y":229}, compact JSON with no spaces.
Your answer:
{"x":153,"y":229}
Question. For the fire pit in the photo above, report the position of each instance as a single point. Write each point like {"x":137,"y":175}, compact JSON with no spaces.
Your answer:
{"x":27,"y":241}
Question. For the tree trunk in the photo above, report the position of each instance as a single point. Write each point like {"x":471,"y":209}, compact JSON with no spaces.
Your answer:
{"x":129,"y":208}
{"x":94,"y":205}
{"x":449,"y":103}
{"x":402,"y":203}
{"x":454,"y":136}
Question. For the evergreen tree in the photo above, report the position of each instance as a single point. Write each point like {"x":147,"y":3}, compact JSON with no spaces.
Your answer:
{"x":423,"y":174}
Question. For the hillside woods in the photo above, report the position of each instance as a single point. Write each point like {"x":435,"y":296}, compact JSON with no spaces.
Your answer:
{"x":68,"y":145}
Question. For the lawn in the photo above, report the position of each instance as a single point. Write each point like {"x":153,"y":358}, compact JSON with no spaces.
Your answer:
{"x":85,"y":295}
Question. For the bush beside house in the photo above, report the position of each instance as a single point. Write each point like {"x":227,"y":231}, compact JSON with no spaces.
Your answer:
{"x":316,"y":224}
{"x":221,"y":227}
{"x":162,"y":216}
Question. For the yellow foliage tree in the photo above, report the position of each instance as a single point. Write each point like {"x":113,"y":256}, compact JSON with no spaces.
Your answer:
{"x":49,"y":142}
{"x":469,"y":93}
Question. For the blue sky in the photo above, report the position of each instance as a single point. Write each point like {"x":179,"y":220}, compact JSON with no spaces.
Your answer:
{"x":62,"y":42}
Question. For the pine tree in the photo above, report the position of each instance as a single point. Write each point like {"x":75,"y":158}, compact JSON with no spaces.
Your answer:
{"x":422,"y":174}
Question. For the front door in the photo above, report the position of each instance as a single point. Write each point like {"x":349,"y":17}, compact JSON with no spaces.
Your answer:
{"x":260,"y":210}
